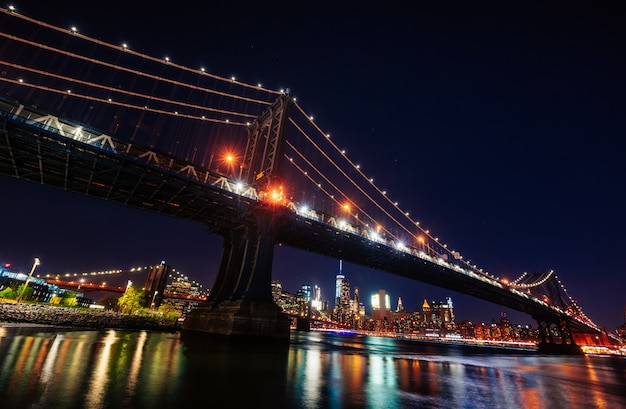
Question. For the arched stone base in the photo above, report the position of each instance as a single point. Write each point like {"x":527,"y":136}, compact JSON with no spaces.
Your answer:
{"x":556,"y":338}
{"x":238,"y":319}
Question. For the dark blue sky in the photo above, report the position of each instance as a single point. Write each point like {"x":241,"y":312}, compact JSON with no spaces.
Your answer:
{"x":500,"y":126}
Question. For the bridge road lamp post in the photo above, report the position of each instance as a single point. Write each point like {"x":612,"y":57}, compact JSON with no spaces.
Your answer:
{"x":230,"y":160}
{"x":348,"y":209}
{"x":422,"y":243}
{"x":152,"y":305}
{"x":30,"y":275}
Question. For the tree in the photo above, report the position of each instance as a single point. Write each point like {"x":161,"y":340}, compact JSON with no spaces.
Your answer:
{"x":169,"y":311}
{"x":28,"y":292}
{"x":131,"y":301}
{"x":8,"y":293}
{"x":68,"y":299}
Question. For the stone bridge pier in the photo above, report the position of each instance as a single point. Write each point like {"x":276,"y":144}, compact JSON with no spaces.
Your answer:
{"x":240,"y":304}
{"x":556,"y":337}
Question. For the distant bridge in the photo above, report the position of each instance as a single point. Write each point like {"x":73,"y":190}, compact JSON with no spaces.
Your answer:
{"x":83,"y":286}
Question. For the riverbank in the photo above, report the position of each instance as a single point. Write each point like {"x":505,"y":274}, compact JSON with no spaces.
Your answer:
{"x":11,"y":312}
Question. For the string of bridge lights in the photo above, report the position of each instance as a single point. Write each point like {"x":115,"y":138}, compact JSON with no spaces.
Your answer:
{"x":516,"y":284}
{"x":110,"y":100}
{"x":383,"y":193}
{"x":121,"y":91}
{"x":11,"y":10}
{"x":105,"y":273}
{"x":319,"y":185}
{"x":347,"y":177}
{"x":122,"y":104}
{"x":579,"y":308}
{"x":136,"y":72}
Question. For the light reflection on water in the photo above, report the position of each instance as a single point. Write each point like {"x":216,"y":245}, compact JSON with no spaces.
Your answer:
{"x":45,"y":367}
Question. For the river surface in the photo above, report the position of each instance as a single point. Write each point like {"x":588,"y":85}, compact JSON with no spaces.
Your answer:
{"x":48,"y":367}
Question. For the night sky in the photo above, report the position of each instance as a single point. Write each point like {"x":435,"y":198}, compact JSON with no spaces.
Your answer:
{"x":502,"y":127}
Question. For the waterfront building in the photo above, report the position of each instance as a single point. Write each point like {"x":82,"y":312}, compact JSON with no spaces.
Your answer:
{"x":503,"y":331}
{"x":343,"y":310}
{"x":43,"y":292}
{"x":381,"y":306}
{"x":307,"y":292}
{"x":400,"y":307}
{"x":439,"y":314}
{"x":339,"y":279}
{"x":277,"y":290}
{"x":466,"y":329}
{"x":180,"y":285}
{"x":316,"y":302}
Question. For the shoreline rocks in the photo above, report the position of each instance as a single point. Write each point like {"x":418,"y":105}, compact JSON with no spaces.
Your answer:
{"x":83,"y":318}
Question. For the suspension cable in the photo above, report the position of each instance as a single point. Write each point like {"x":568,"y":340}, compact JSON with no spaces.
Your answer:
{"x":135,"y":53}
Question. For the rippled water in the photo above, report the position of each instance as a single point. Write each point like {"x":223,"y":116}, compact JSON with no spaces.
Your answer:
{"x":45,"y":367}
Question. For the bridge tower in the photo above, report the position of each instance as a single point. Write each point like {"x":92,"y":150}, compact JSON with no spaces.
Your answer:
{"x":261,"y":161}
{"x":240,"y":304}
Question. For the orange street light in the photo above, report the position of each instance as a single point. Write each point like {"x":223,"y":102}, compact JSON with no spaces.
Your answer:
{"x":422,"y":242}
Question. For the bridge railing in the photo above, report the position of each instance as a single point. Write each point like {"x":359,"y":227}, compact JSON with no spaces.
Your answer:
{"x":79,"y":133}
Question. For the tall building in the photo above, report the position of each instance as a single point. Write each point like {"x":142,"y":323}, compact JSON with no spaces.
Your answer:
{"x":316,"y":302}
{"x":277,"y":290}
{"x":307,"y":291}
{"x":381,"y":306}
{"x":179,"y":284}
{"x":356,"y":301}
{"x":342,"y":312}
{"x":339,"y":284}
{"x":400,"y":306}
{"x":438,"y":314}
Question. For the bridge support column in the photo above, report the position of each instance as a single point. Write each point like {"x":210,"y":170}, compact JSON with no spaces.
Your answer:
{"x":240,"y":304}
{"x":556,"y":338}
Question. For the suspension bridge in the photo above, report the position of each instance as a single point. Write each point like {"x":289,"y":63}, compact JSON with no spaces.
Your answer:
{"x":105,"y":121}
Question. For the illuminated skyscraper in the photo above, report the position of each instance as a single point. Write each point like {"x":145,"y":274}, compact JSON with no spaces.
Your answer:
{"x":342,"y":311}
{"x":400,"y":306}
{"x":381,"y":306}
{"x":439,"y":313}
{"x":316,"y":302}
{"x":307,"y":291}
{"x":277,"y":290}
{"x":339,"y":284}
{"x":357,"y":300}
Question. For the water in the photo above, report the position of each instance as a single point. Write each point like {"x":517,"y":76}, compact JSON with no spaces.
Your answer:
{"x":46,"y":367}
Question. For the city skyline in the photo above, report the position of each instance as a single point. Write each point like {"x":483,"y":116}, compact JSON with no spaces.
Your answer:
{"x":135,"y":276}
{"x":500,"y":127}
